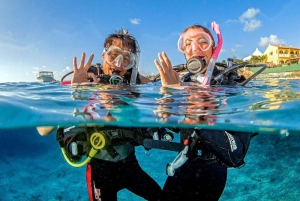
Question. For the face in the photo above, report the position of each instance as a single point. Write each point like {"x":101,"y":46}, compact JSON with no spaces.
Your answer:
{"x":195,"y":42}
{"x":116,"y":59}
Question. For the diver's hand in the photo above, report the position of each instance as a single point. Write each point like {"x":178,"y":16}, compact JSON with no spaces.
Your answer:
{"x":45,"y":130}
{"x":165,"y":69}
{"x":80,"y":74}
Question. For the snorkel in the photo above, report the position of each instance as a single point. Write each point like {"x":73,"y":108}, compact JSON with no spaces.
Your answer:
{"x":134,"y":71}
{"x":208,"y":74}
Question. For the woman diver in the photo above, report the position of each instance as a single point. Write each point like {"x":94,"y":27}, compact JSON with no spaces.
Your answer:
{"x":202,"y":172}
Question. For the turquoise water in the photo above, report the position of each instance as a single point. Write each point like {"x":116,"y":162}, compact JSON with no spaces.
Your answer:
{"x":33,"y":168}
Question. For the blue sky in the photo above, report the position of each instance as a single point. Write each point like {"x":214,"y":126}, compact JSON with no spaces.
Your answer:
{"x":46,"y":35}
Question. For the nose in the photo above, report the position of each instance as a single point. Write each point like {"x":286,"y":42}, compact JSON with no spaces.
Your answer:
{"x":119,"y":61}
{"x":195,"y":47}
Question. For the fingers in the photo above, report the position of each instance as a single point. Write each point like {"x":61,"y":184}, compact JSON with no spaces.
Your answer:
{"x":82,"y":65}
{"x":89,"y":63}
{"x":74,"y":64}
{"x":165,"y":69}
{"x":167,"y":61}
{"x":165,"y":65}
{"x":82,"y":60}
{"x":159,"y":67}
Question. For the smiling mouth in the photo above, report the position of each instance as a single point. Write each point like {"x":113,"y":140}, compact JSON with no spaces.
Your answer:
{"x":197,"y":55}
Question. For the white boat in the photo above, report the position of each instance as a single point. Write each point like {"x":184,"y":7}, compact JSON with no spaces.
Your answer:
{"x":46,"y":76}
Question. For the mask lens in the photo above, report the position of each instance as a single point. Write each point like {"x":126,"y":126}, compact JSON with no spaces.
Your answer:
{"x":189,"y":43}
{"x":120,"y":58}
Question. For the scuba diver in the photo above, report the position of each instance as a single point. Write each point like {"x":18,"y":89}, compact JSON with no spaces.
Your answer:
{"x":111,"y":161}
{"x":199,"y":172}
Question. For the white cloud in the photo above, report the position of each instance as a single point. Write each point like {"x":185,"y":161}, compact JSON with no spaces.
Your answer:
{"x":251,"y":25}
{"x":273,"y":40}
{"x":135,"y":21}
{"x":249,"y":14}
{"x":68,"y":68}
{"x":230,"y":20}
{"x":233,"y":50}
{"x":238,"y":45}
{"x":223,"y":50}
{"x":249,"y":20}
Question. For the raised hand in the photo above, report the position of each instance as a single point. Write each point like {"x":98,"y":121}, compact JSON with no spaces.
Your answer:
{"x":80,"y":74}
{"x":165,"y":69}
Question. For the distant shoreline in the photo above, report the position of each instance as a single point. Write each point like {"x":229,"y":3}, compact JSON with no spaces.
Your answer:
{"x":284,"y":72}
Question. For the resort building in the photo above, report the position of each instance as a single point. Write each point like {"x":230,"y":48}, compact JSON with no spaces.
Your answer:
{"x":282,"y":54}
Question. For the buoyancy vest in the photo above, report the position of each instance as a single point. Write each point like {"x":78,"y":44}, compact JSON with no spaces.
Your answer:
{"x":230,"y":147}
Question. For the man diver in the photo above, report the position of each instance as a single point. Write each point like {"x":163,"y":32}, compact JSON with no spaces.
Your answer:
{"x":114,"y":168}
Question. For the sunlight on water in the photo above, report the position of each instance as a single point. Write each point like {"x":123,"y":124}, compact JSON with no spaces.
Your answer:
{"x":267,"y":105}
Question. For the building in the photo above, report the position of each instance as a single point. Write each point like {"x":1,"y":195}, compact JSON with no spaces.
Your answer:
{"x":282,"y":54}
{"x":255,"y":53}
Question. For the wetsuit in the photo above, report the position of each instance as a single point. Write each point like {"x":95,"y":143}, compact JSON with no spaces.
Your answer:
{"x":116,"y":168}
{"x":203,"y":176}
{"x":106,"y":178}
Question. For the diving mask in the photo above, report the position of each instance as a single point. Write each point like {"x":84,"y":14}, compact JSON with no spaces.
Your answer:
{"x":194,"y":40}
{"x":119,"y":57}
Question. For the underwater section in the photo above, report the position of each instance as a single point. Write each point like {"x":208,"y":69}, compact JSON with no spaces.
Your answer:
{"x":33,"y":168}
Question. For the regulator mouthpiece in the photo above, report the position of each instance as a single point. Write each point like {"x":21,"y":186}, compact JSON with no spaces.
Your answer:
{"x":195,"y":65}
{"x":115,"y":80}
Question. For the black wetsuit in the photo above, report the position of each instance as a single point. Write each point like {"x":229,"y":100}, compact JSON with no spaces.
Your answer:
{"x":106,"y":178}
{"x":203,"y":176}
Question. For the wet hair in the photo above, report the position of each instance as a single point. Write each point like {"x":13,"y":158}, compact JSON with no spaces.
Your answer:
{"x":127,"y":40}
{"x":206,"y":30}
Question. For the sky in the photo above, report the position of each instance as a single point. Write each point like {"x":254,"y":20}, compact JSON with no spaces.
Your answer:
{"x":45,"y":35}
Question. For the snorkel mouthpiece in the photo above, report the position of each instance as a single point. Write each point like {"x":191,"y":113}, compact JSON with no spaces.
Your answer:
{"x":195,"y":65}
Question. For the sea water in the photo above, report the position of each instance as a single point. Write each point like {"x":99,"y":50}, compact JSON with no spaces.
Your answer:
{"x":33,"y":168}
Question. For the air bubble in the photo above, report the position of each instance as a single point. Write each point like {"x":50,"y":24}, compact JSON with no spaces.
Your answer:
{"x":284,"y":132}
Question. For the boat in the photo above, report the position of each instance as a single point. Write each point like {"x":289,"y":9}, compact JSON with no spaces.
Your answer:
{"x":46,"y":76}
